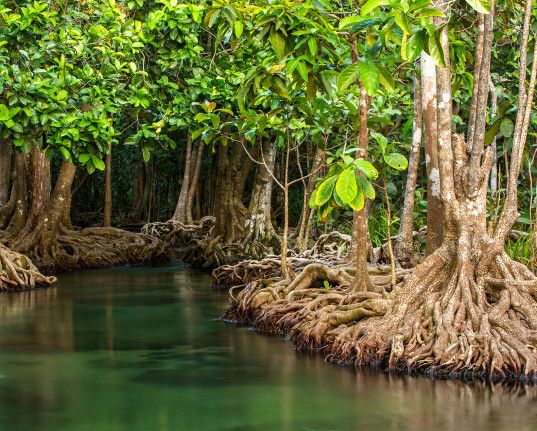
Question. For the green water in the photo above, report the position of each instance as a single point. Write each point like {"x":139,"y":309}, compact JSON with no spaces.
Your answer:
{"x":141,"y":349}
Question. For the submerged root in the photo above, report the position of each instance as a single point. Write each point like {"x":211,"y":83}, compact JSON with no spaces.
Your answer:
{"x":449,"y":318}
{"x":17,"y":272}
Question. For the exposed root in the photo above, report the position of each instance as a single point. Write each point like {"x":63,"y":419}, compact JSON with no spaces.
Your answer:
{"x":329,"y":249}
{"x":449,"y":318}
{"x":93,"y":248}
{"x":17,"y":272}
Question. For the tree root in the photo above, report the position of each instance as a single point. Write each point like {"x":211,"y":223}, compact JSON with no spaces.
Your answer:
{"x":449,"y":318}
{"x":17,"y":272}
{"x":329,"y":249}
{"x":93,"y":248}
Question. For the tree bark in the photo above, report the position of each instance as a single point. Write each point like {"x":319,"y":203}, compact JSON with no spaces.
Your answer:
{"x":5,"y":169}
{"x":259,"y":230}
{"x":435,"y":223}
{"x":107,"y":219}
{"x":318,"y":162}
{"x":404,"y":249}
{"x":360,"y":229}
{"x":39,"y":187}
{"x":194,"y":182}
{"x":180,"y":210}
{"x":229,"y":209}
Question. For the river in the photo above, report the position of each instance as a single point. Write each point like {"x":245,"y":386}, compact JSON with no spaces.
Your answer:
{"x":132,"y":349}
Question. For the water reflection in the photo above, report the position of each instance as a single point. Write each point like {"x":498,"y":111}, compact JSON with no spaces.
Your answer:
{"x":140,"y":349}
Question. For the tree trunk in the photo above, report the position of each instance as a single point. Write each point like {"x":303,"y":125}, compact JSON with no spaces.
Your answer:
{"x":180,"y":210}
{"x":13,"y":214}
{"x":194,"y":182}
{"x":318,"y":162}
{"x":229,"y":210}
{"x":360,"y":229}
{"x":259,"y":231}
{"x":39,"y":187}
{"x":107,"y":219}
{"x":5,"y":170}
{"x":435,"y":222}
{"x":404,"y":249}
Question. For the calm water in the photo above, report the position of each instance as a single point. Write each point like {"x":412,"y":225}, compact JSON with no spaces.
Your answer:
{"x":140,"y":349}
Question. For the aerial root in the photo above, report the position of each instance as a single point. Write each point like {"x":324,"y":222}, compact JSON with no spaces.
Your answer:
{"x":17,"y":272}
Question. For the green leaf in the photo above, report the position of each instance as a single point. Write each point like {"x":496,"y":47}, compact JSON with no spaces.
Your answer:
{"x":396,"y":161}
{"x":83,"y":158}
{"x":62,"y":95}
{"x":312,"y":44}
{"x":324,"y":212}
{"x":358,"y":202}
{"x":348,"y":76}
{"x":211,"y":17}
{"x":302,"y":70}
{"x":507,"y":127}
{"x":239,"y":28}
{"x":435,"y":49}
{"x":481,"y":6}
{"x":325,"y":190}
{"x":366,"y":187}
{"x":4,"y":112}
{"x":278,"y":43}
{"x":349,"y":21}
{"x":415,"y":45}
{"x":386,"y":78}
{"x":312,"y":199}
{"x":146,"y":154}
{"x":429,"y":12}
{"x":97,"y":162}
{"x":346,"y":187}
{"x":371,"y":5}
{"x":370,"y":77}
{"x":366,"y":168}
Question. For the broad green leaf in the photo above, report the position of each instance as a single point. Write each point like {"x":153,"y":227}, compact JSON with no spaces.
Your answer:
{"x":386,"y":78}
{"x":302,"y":70}
{"x":329,"y":81}
{"x":312,"y":44}
{"x":325,"y":190}
{"x":367,"y":168}
{"x":335,"y":170}
{"x":481,"y":6}
{"x":62,"y":95}
{"x":366,"y":187}
{"x":429,"y":12}
{"x":277,"y":41}
{"x":435,"y":49}
{"x":396,"y":161}
{"x":371,"y":5}
{"x":4,"y":112}
{"x":346,"y":187}
{"x":239,"y":28}
{"x":358,"y":202}
{"x":402,"y":22}
{"x":349,"y":21}
{"x":83,"y":158}
{"x":348,"y":76}
{"x":211,"y":17}
{"x":312,"y":200}
{"x":97,"y":162}
{"x":507,"y":127}
{"x":415,"y":45}
{"x":370,"y":77}
{"x":324,"y":212}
